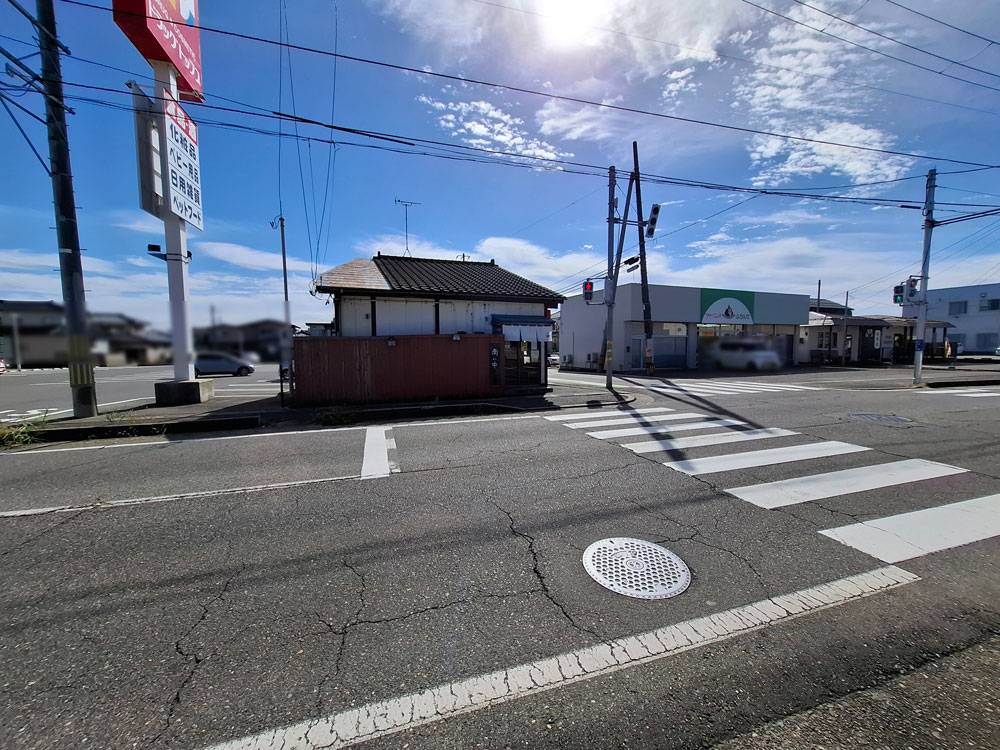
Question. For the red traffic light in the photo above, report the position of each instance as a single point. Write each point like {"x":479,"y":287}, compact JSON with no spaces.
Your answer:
{"x":588,"y":290}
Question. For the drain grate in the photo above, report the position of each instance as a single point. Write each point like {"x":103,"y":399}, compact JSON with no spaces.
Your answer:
{"x":889,"y":418}
{"x":636,"y":568}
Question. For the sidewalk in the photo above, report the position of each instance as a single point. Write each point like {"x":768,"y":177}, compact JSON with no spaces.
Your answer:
{"x":216,"y":415}
{"x":949,"y":703}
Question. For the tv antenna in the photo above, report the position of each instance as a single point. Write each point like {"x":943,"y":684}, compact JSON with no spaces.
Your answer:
{"x":406,"y":218}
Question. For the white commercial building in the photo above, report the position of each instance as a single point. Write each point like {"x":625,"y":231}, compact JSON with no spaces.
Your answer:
{"x":974,"y":311}
{"x":680,"y":316}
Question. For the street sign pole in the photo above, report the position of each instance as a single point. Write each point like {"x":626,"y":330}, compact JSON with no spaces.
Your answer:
{"x":175,"y":229}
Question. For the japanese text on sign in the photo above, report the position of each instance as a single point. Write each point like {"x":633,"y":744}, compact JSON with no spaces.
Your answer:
{"x":184,"y":193}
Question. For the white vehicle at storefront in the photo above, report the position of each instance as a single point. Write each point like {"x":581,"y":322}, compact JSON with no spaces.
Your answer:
{"x":744,"y":354}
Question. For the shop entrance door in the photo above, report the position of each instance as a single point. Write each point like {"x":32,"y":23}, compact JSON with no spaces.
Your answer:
{"x":522,"y":363}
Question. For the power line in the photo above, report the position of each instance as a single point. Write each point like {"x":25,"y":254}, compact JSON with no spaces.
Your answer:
{"x":856,"y":44}
{"x":943,"y":23}
{"x":895,"y":41}
{"x":570,"y":99}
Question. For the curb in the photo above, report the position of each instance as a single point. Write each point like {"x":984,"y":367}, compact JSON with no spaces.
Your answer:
{"x":963,"y":383}
{"x":144,"y":429}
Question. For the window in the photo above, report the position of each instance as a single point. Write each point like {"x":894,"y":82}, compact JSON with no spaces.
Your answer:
{"x":986,"y":341}
{"x":825,"y":340}
{"x":985,"y":305}
{"x":957,"y":338}
{"x":958,"y":308}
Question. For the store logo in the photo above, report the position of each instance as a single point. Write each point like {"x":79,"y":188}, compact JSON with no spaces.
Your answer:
{"x":728,"y":310}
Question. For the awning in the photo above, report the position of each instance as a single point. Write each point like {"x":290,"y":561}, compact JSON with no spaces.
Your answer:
{"x":537,"y":332}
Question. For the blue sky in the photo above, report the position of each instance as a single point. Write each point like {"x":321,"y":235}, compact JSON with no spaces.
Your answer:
{"x":725,"y":62}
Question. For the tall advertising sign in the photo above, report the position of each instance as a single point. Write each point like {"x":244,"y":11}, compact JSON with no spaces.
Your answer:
{"x":166,"y":31}
{"x":181,"y":165}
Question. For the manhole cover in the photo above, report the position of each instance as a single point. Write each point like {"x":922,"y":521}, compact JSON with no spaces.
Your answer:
{"x":637,"y":568}
{"x":891,"y":418}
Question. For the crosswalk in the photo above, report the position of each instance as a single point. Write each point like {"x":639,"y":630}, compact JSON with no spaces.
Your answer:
{"x":892,"y":539}
{"x":725,"y":387}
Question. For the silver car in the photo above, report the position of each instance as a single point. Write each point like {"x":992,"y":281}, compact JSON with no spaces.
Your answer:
{"x":220,"y":363}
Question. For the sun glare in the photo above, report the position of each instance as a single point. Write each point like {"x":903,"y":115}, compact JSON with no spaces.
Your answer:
{"x":569,"y":23}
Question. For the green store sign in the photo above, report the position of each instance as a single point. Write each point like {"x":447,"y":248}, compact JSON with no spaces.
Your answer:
{"x":727,"y":307}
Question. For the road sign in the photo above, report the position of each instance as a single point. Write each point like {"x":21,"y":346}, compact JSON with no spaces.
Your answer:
{"x":166,"y":30}
{"x":180,"y":142}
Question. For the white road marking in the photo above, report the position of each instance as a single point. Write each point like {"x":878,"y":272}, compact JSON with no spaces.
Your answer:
{"x":908,"y":535}
{"x":969,"y":393}
{"x":698,"y":441}
{"x":845,"y":482}
{"x":464,"y":696}
{"x":765,"y":457}
{"x":168,"y":498}
{"x":608,"y":421}
{"x":614,"y":412}
{"x":665,"y":428}
{"x":376,"y":461}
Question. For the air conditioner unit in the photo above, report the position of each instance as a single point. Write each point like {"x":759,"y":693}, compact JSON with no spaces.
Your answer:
{"x":567,"y":359}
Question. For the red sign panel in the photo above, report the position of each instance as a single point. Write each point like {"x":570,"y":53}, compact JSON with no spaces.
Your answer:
{"x":166,"y":30}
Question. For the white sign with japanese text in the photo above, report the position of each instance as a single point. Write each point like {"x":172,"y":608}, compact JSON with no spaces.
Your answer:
{"x":182,"y":164}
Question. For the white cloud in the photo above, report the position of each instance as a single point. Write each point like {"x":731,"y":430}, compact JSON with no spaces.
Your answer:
{"x":137,"y":221}
{"x":26,"y":259}
{"x":484,"y":125}
{"x":245,"y":257}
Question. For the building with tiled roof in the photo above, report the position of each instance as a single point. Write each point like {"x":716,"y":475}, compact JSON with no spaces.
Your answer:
{"x":407,"y":328}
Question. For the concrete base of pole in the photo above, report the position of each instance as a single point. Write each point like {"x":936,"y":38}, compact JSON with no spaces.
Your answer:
{"x":181,"y":392}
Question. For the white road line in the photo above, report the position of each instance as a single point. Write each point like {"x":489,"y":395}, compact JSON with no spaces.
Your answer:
{"x":665,"y":429}
{"x":765,"y":457}
{"x":845,"y":482}
{"x":972,"y":393}
{"x":908,"y":535}
{"x":168,"y":498}
{"x":634,"y":420}
{"x":698,"y":441}
{"x":388,"y":717}
{"x":614,"y":412}
{"x":780,"y":386}
{"x":376,"y":461}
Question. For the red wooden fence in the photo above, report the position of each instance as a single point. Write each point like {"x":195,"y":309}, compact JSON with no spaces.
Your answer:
{"x":396,"y":368}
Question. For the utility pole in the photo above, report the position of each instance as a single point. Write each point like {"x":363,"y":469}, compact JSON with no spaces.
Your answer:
{"x":929,"y":224}
{"x":286,"y":337}
{"x":15,"y":321}
{"x":81,"y":368}
{"x":609,"y":285}
{"x":647,"y":315}
{"x":843,"y":332}
{"x":819,"y":286}
{"x":406,"y":218}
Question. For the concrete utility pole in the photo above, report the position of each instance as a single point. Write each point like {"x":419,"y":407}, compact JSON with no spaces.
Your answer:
{"x":647,"y":315}
{"x":81,"y":368}
{"x":843,"y":332}
{"x":286,"y":337}
{"x":918,"y":344}
{"x":15,"y":321}
{"x":609,"y":286}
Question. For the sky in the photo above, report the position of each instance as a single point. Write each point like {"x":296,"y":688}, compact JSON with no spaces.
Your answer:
{"x":499,"y":120}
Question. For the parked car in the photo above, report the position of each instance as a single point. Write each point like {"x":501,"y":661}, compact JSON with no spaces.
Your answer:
{"x":553,"y":360}
{"x":220,"y":363}
{"x":3,"y":367}
{"x":742,"y":354}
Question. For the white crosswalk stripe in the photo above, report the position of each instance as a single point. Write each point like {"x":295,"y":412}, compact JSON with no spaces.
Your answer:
{"x":891,"y":539}
{"x":765,"y":457}
{"x":908,"y":535}
{"x":966,"y":392}
{"x":726,"y":387}
{"x":666,"y":428}
{"x":832,"y":484}
{"x":595,"y":413}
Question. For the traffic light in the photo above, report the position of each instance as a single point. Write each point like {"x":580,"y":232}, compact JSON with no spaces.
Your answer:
{"x":654,"y":214}
{"x":897,"y":294}
{"x":911,"y":287}
{"x":588,"y":290}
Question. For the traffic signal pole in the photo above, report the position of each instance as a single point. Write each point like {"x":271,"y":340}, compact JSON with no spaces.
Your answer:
{"x":918,"y":353}
{"x":609,"y":287}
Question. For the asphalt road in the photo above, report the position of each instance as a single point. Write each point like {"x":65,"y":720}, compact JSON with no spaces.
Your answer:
{"x":37,"y":393}
{"x":420,"y":584}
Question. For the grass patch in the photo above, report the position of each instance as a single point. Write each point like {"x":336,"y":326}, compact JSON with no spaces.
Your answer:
{"x":24,"y":433}
{"x":334,"y":417}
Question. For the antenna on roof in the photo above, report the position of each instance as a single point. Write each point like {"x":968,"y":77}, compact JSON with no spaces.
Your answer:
{"x":406,"y":212}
